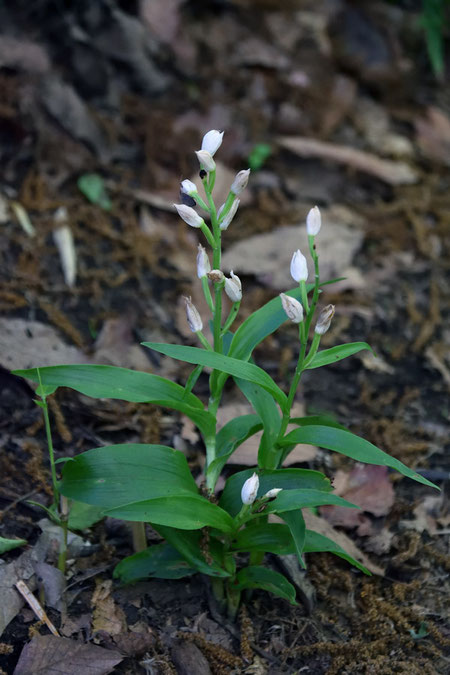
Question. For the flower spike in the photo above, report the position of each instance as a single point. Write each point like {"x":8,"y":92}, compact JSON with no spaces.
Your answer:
{"x":299,"y":267}
{"x":193,"y":316}
{"x":240,"y":182}
{"x":292,"y":307}
{"x":203,"y":264}
{"x":206,"y":160}
{"x":324,"y":320}
{"x":250,"y":490}
{"x":189,"y":215}
{"x":313,"y":222}
{"x":233,"y":287}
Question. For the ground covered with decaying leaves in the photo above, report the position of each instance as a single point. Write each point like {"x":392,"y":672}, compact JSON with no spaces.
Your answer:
{"x":340,"y":98}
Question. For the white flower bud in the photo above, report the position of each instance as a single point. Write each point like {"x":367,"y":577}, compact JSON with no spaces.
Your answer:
{"x":299,"y":266}
{"x":233,"y":288}
{"x":272,"y":493}
{"x":188,"y":187}
{"x":193,"y":317}
{"x":250,"y":489}
{"x":216,"y":276}
{"x":206,"y":160}
{"x":230,"y":215}
{"x":212,"y":141}
{"x":189,"y":215}
{"x":313,"y":222}
{"x":324,"y":320}
{"x":240,"y":182}
{"x":292,"y":307}
{"x":203,"y":264}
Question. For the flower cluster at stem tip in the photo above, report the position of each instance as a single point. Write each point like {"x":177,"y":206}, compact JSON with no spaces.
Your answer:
{"x":221,"y":219}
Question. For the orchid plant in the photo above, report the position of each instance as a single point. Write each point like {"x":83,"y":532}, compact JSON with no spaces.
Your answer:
{"x":259,"y":511}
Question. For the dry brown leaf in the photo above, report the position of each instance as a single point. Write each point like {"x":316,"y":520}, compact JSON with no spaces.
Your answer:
{"x":51,"y":655}
{"x":116,"y":346}
{"x":321,"y":526}
{"x":393,"y":173}
{"x":106,"y":615}
{"x":26,"y":344}
{"x":433,"y":135}
{"x":368,"y":487}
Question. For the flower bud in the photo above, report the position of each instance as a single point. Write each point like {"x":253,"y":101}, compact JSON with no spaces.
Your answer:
{"x":216,"y":276}
{"x":292,"y":307}
{"x":299,"y":266}
{"x":188,"y":187}
{"x":233,"y":288}
{"x":250,"y":489}
{"x":240,"y":182}
{"x":193,"y":317}
{"x":230,"y":215}
{"x":203,"y":265}
{"x":206,"y":160}
{"x":324,"y":320}
{"x":272,"y":493}
{"x":212,"y":141}
{"x":313,"y":222}
{"x":189,"y":215}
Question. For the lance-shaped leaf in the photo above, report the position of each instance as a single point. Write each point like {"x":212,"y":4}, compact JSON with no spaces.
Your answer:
{"x":264,"y":404}
{"x":335,"y":354}
{"x":276,"y":538}
{"x":350,"y":445}
{"x":117,"y":474}
{"x":297,"y":527}
{"x":125,"y":384}
{"x":290,"y":500}
{"x":161,"y":561}
{"x":256,"y":576}
{"x":185,"y":511}
{"x":190,"y":544}
{"x":268,"y":479}
{"x":225,"y":364}
{"x":230,"y":436}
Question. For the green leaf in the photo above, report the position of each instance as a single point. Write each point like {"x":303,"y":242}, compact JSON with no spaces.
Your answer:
{"x":185,"y":512}
{"x":82,"y":516}
{"x":10,"y":544}
{"x":189,"y":545}
{"x":229,"y":437}
{"x":276,"y":538}
{"x":297,"y":527}
{"x":265,"y":406}
{"x":93,"y":188}
{"x":350,"y":445}
{"x":256,"y":576}
{"x":265,"y":537}
{"x":336,"y":354}
{"x":268,"y":479}
{"x":116,"y":474}
{"x":125,"y":384}
{"x":225,"y":364}
{"x":318,"y":543}
{"x":324,"y":420}
{"x":290,"y":500}
{"x":262,"y":323}
{"x":258,"y":155}
{"x":161,"y":561}
{"x":422,"y":632}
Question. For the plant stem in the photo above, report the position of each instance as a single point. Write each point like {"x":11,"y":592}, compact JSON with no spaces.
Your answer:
{"x":51,"y":452}
{"x":139,"y":537}
{"x":64,"y":520}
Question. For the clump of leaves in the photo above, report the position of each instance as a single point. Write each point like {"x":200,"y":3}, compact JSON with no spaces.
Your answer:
{"x":225,"y":538}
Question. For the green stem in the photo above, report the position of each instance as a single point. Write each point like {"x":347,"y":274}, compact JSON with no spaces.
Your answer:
{"x":231,"y":317}
{"x":204,"y":341}
{"x":207,"y":293}
{"x":64,"y":522}
{"x":313,"y":350}
{"x":139,"y":537}
{"x":208,"y":234}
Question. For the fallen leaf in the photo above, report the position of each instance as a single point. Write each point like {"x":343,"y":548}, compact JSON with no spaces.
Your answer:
{"x":263,"y":256}
{"x":428,"y":514}
{"x":433,"y":135}
{"x":106,"y":615}
{"x":391,"y":172}
{"x":162,"y":17}
{"x":23,"y":55}
{"x":63,"y":239}
{"x":51,"y":655}
{"x":53,"y":582}
{"x":26,"y":344}
{"x":116,"y":346}
{"x":368,"y":487}
{"x":321,"y":526}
